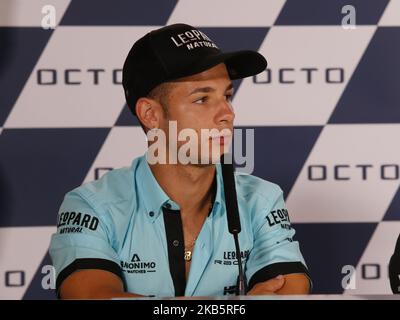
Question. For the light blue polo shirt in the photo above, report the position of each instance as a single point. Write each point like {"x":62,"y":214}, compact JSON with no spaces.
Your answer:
{"x":126,"y":224}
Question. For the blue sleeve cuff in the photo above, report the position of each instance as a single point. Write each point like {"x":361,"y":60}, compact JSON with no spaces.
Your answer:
{"x":273,"y":270}
{"x":90,"y":263}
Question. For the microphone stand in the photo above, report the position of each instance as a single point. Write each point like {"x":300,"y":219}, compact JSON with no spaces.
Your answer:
{"x":232,"y":213}
{"x":394,"y":268}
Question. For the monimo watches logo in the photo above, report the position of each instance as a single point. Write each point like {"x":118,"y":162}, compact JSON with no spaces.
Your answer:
{"x":136,"y":265}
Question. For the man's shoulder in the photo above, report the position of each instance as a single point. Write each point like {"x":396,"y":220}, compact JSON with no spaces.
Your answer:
{"x":113,"y":187}
{"x":250,"y":186}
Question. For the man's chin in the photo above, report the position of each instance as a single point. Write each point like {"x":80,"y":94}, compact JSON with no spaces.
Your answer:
{"x":203,"y":162}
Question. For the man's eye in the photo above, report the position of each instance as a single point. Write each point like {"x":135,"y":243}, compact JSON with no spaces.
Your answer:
{"x":200,"y":100}
{"x":229,"y":97}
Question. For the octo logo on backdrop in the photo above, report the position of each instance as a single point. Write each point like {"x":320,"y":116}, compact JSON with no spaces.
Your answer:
{"x":296,"y":75}
{"x":348,"y":172}
{"x":75,"y":76}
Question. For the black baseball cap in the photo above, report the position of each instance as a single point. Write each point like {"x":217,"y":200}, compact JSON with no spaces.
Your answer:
{"x":177,"y":51}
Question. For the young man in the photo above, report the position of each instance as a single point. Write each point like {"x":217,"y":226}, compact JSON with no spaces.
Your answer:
{"x":161,"y":229}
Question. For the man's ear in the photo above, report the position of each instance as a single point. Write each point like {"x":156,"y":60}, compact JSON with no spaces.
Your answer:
{"x":148,"y":112}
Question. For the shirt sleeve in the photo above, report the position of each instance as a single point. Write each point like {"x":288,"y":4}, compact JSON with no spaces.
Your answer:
{"x":83,"y":240}
{"x":274,"y":251}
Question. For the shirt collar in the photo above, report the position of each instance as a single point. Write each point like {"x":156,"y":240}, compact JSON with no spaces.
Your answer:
{"x":154,"y":197}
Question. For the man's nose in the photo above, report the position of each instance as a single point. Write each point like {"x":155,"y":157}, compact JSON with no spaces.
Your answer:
{"x":225,"y":112}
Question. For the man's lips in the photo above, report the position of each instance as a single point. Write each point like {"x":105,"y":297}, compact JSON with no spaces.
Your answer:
{"x":221,"y":139}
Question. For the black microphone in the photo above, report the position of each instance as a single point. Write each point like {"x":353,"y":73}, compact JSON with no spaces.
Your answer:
{"x":394,"y":268}
{"x":232,"y":213}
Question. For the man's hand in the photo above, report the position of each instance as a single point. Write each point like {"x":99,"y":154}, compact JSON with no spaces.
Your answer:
{"x":93,"y":284}
{"x":267,"y":287}
{"x":294,"y":283}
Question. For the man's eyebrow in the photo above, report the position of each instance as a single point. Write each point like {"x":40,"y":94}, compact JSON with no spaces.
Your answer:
{"x":209,"y":89}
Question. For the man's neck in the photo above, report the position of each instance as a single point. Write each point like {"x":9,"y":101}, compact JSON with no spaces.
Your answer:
{"x":188,"y":185}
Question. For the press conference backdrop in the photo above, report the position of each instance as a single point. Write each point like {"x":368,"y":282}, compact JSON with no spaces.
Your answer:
{"x":326,"y":116}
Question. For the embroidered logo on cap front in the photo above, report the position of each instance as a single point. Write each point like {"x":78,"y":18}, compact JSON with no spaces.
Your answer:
{"x":193,"y":39}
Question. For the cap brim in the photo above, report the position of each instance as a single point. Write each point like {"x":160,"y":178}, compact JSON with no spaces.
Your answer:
{"x":240,"y":64}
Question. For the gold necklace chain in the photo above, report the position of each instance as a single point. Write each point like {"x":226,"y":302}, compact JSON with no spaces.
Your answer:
{"x":188,"y":253}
